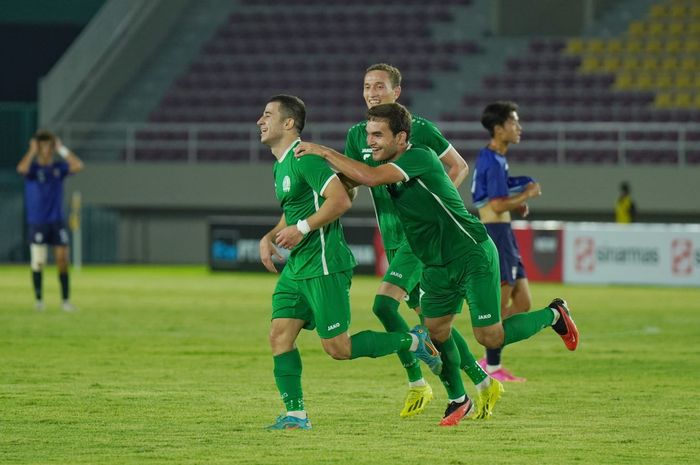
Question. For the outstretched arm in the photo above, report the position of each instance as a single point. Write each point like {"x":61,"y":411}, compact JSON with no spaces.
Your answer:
{"x":335,"y":204}
{"x":355,"y":170}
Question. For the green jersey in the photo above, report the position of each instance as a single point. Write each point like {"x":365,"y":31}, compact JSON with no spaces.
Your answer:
{"x":299,"y":185}
{"x":437,"y":224}
{"x":423,"y":132}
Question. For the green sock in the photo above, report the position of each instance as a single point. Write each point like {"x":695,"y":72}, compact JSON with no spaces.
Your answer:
{"x":287,"y":371}
{"x":386,"y":309}
{"x":523,"y":325}
{"x":374,"y":344}
{"x":468,"y":363}
{"x":451,"y":377}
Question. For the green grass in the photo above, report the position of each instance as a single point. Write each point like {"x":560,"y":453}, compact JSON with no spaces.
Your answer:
{"x":172,"y":365}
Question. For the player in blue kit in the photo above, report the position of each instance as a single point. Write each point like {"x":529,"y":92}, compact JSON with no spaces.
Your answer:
{"x":496,"y":195}
{"x":43,"y":189}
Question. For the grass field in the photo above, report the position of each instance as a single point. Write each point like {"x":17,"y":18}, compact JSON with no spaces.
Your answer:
{"x":172,"y":365}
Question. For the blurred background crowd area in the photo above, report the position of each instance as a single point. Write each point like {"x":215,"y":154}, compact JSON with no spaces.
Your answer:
{"x":160,"y":100}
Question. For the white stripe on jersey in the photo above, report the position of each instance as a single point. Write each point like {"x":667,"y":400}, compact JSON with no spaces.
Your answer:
{"x":323,"y":239}
{"x":445,"y":208}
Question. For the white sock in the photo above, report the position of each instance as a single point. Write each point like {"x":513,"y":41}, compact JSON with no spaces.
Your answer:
{"x":492,"y":368}
{"x":459,"y":399}
{"x":556,"y":316}
{"x":301,"y":414}
{"x":483,"y":384}
{"x":419,"y":383}
{"x":414,"y":344}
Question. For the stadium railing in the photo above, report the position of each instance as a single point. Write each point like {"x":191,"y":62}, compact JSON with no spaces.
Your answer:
{"x":615,"y":143}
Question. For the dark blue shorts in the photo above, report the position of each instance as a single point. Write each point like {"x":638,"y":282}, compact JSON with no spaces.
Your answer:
{"x":49,"y":234}
{"x":508,"y":253}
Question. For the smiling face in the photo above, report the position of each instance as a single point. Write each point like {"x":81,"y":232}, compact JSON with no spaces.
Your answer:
{"x":510,"y":131}
{"x":378,"y":89}
{"x":272,"y":124}
{"x":384,"y":144}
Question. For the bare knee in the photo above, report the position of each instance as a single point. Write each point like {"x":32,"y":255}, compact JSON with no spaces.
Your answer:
{"x":338,"y":348}
{"x":491,"y":337}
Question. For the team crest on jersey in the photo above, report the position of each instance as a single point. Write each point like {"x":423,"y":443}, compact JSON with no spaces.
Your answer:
{"x":286,"y":184}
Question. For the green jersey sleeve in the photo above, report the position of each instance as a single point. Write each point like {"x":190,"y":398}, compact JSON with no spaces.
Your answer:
{"x":315,"y":171}
{"x":353,"y":147}
{"x":415,"y":162}
{"x":424,"y":132}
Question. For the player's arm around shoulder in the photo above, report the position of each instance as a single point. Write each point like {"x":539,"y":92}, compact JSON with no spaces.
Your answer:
{"x":336,"y":202}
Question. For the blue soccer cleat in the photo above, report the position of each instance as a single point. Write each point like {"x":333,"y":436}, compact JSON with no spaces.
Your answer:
{"x":426,"y":351}
{"x":288,"y":422}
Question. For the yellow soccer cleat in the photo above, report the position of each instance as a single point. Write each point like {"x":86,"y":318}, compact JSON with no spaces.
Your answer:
{"x":417,"y":399}
{"x":487,"y":400}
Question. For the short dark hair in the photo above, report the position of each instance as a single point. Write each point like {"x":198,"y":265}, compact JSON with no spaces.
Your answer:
{"x":392,"y":71}
{"x":292,"y":107}
{"x":496,"y":114}
{"x":42,"y":135}
{"x":395,"y":114}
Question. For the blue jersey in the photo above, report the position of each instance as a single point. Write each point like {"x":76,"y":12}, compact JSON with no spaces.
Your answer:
{"x":43,"y":190}
{"x":491,"y":180}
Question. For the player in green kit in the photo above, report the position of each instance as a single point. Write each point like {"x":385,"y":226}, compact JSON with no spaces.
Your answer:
{"x":460,"y":260}
{"x":382,"y":84}
{"x":313,"y":289}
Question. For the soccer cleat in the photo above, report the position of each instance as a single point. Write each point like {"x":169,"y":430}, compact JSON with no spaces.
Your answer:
{"x":501,"y":374}
{"x":426,"y":351}
{"x":565,"y":326}
{"x":289,"y":422}
{"x":39,"y":306}
{"x":66,"y":306}
{"x":417,"y":399}
{"x":487,"y":400}
{"x":456,"y":411}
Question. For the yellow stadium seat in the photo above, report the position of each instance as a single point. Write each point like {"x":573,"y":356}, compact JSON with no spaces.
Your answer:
{"x":611,"y":64}
{"x":696,"y":100}
{"x":654,"y":46}
{"x":683,"y":100}
{"x":630,"y":63}
{"x":575,"y":46}
{"x":595,"y":46}
{"x":637,"y":28}
{"x":644,"y":81}
{"x":650,"y":63}
{"x":663,"y":100}
{"x":669,"y":63}
{"x":679,"y":11}
{"x":673,"y":46}
{"x":684,"y":80}
{"x":655,"y":28}
{"x":614,"y":46}
{"x":676,"y":28}
{"x":664,"y":81}
{"x":689,"y":63}
{"x":591,"y":64}
{"x":695,"y":11}
{"x":657,"y":11}
{"x":694,"y":28}
{"x":624,"y":81}
{"x":691,"y":46}
{"x":632,"y":46}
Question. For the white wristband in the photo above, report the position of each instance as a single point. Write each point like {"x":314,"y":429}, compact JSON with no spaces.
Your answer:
{"x":303,"y":227}
{"x":63,"y":151}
